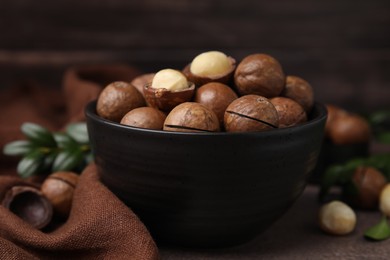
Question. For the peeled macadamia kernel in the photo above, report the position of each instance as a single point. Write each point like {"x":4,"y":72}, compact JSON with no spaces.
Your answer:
{"x":172,"y":80}
{"x":337,"y":218}
{"x":290,"y":112}
{"x":117,"y":99}
{"x":216,"y":96}
{"x":191,"y":117}
{"x":144,"y":117}
{"x":384,"y":200}
{"x":299,"y":90}
{"x":210,"y":64}
{"x":250,"y":113}
{"x":259,"y":74}
{"x":168,"y":89}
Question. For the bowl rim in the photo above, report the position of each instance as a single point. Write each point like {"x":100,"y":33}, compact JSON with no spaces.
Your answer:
{"x":90,"y":112}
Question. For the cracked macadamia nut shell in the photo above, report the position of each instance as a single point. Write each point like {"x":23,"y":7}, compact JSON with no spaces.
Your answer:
{"x":299,"y":90}
{"x":58,"y":189}
{"x":191,"y":117}
{"x":216,"y":96}
{"x":368,"y":183}
{"x":164,"y":99}
{"x":259,"y":74}
{"x":290,"y":112}
{"x":250,"y":113}
{"x":118,"y":98}
{"x":140,"y":81}
{"x":144,"y":117}
{"x":30,"y":204}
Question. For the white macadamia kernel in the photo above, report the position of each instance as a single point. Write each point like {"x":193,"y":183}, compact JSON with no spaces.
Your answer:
{"x":384,"y":200}
{"x":337,"y":218}
{"x":170,"y":79}
{"x":210,"y":64}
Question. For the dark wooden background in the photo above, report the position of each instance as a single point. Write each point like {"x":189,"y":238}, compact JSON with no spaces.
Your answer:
{"x":342,"y":47}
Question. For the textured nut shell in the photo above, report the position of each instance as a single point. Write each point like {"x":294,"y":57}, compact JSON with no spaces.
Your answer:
{"x":29,"y":204}
{"x":250,"y":113}
{"x":259,"y":74}
{"x":140,"y":81}
{"x":369,"y":182}
{"x":299,"y":90}
{"x":216,"y":96}
{"x":144,"y":117}
{"x":166,"y":100}
{"x":117,"y":99}
{"x":191,"y":117}
{"x":349,"y":129}
{"x":333,"y":112}
{"x":58,"y":189}
{"x":290,"y":112}
{"x":199,"y":80}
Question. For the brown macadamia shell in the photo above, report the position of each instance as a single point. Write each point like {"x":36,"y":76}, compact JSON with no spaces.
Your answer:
{"x":259,"y":74}
{"x":348,"y":128}
{"x":250,"y":113}
{"x":58,"y":189}
{"x":118,"y":98}
{"x":140,"y":81}
{"x":216,"y":96}
{"x":290,"y":112}
{"x":164,"y":99}
{"x":368,"y":183}
{"x":144,"y":117}
{"x":299,"y":90}
{"x":30,"y":204}
{"x":191,"y":117}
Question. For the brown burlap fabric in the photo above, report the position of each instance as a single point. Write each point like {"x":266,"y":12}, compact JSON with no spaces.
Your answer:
{"x":100,"y":226}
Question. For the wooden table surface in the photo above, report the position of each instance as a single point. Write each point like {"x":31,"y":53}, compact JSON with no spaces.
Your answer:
{"x":296,"y":235}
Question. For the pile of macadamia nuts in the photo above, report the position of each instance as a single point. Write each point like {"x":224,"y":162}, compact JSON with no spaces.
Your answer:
{"x":211,"y":94}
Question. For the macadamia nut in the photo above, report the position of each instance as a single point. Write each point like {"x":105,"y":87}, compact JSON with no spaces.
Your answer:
{"x":210,"y":64}
{"x":384,"y":200}
{"x":170,"y":79}
{"x":337,"y":218}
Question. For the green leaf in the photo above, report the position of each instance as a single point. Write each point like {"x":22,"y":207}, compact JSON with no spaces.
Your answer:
{"x":380,"y":231}
{"x":17,"y":148}
{"x":383,"y":137}
{"x":67,"y":160}
{"x":350,"y":190}
{"x":78,"y":131}
{"x":38,"y":135}
{"x":331,"y":177}
{"x":380,"y":118}
{"x":64,"y":140}
{"x":30,"y":164}
{"x":48,"y":162}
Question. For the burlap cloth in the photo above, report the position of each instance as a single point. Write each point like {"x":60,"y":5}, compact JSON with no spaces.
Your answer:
{"x":99,"y":226}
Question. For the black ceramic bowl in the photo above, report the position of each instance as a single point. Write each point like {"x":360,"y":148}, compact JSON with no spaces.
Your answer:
{"x":206,"y":189}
